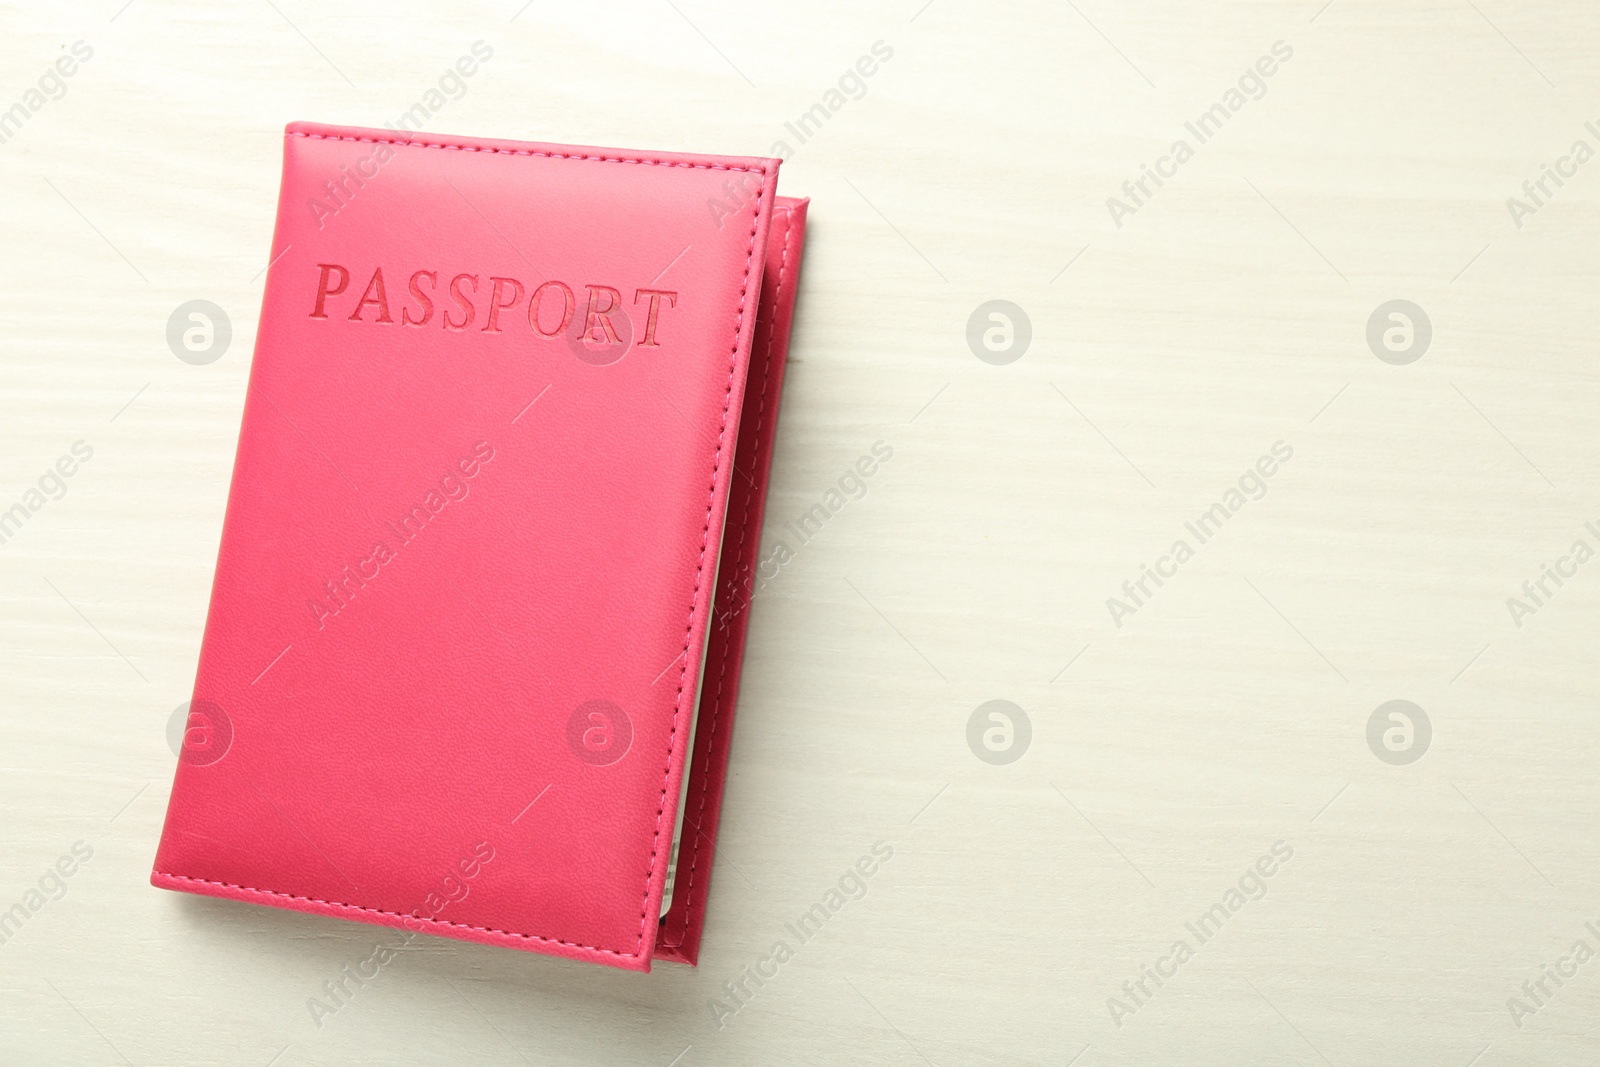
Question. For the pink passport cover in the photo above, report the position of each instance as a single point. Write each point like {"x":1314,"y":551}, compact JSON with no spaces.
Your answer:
{"x":507,"y":400}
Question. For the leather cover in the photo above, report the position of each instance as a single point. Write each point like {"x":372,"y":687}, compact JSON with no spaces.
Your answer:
{"x":507,"y":400}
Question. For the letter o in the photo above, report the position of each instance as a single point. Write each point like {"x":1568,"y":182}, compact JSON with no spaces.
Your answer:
{"x":568,"y":303}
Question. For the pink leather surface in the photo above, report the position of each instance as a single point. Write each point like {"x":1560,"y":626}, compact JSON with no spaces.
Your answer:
{"x":679,"y":935}
{"x":447,"y":533}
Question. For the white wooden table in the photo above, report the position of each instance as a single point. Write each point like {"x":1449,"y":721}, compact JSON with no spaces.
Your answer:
{"x":1174,"y":739}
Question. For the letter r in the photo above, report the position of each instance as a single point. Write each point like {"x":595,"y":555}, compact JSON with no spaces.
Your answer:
{"x":595,"y":315}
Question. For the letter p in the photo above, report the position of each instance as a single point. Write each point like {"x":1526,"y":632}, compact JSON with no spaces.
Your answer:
{"x":323,"y":291}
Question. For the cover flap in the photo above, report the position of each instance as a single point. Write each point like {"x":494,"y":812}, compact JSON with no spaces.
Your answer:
{"x":471,"y":539}
{"x":737,"y":581}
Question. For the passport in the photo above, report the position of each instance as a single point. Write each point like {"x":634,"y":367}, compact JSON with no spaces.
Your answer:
{"x":505,"y":448}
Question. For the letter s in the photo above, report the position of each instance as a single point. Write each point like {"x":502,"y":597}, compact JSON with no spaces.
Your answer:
{"x":421,"y":298}
{"x":882,"y":51}
{"x":82,"y":450}
{"x":462,"y":301}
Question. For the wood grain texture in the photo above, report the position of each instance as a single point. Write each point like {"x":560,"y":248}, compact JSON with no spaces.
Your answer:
{"x":1227,"y":312}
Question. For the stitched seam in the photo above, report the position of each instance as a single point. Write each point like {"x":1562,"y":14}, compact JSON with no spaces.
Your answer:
{"x":414,"y":143}
{"x":396,"y":914}
{"x":716,"y":466}
{"x":705,"y":541}
{"x":744,"y":518}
